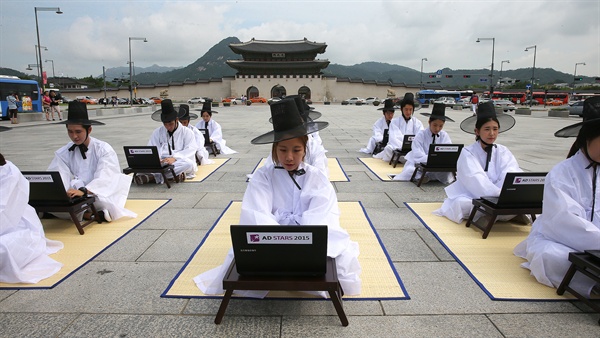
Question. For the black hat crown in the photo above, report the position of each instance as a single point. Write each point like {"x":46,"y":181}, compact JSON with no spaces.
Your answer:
{"x":78,"y":114}
{"x":438,"y":112}
{"x":168,"y":112}
{"x":409,"y":98}
{"x":388,"y":104}
{"x":184,"y":113}
{"x":486,"y":110}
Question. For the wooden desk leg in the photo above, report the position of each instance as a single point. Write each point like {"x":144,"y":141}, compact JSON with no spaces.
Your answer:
{"x":339,"y":308}
{"x":223,"y":306}
{"x":422,"y":177}
{"x":489,"y":226}
{"x":414,"y":174}
{"x":76,"y":221}
{"x":532,"y":218}
{"x":566,"y":280}
{"x":471,"y":216}
{"x":95,"y":213}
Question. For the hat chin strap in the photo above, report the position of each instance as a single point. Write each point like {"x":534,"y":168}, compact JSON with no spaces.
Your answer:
{"x":488,"y":150}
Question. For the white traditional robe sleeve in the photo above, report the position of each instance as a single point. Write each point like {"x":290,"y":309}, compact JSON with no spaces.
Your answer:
{"x":473,"y":182}
{"x":99,"y":173}
{"x":398,"y":128}
{"x":216,"y":134}
{"x":315,"y":155}
{"x":378,"y":127}
{"x":201,"y":152}
{"x":24,"y":248}
{"x":419,"y":154}
{"x":564,"y":225}
{"x":184,"y":151}
{"x":273,"y":198}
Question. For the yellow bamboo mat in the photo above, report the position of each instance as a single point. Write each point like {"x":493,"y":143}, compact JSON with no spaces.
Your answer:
{"x":336,"y":173}
{"x":381,"y":169}
{"x":490,"y":262}
{"x":379,"y":277}
{"x":206,"y":170}
{"x":80,"y":249}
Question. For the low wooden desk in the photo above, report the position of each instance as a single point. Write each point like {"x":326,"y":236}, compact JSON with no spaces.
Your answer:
{"x":163,"y":171}
{"x":396,"y":154}
{"x":480,"y":205}
{"x":581,"y":261}
{"x":425,"y":169}
{"x":74,"y":210}
{"x":329,"y":282}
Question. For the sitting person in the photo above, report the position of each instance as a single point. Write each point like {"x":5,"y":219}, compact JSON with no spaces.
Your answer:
{"x":90,"y":166}
{"x":570,"y":219}
{"x":24,"y":248}
{"x":214,"y":129}
{"x":420,"y":147}
{"x":292,"y":193}
{"x":405,"y":125}
{"x":482,"y":166}
{"x":381,"y":127}
{"x":184,"y":118}
{"x":176,"y":145}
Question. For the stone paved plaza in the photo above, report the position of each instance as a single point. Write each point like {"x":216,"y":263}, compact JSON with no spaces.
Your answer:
{"x":444,"y":299}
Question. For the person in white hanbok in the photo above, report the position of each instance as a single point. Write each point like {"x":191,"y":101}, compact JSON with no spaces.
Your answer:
{"x":176,"y":145}
{"x":406,"y":124}
{"x":482,"y":166}
{"x":380,"y":129}
{"x":184,"y":118}
{"x":91,"y":166}
{"x":420,"y":147}
{"x":24,"y":248}
{"x":214,"y":129}
{"x":570,"y":219}
{"x":293,"y":193}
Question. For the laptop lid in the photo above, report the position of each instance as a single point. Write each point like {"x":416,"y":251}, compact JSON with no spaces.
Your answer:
{"x":407,"y":143}
{"x":142,"y":157}
{"x":205,"y":132}
{"x":280,"y":250}
{"x":47,"y":188}
{"x":443,"y":155}
{"x":520,"y":190}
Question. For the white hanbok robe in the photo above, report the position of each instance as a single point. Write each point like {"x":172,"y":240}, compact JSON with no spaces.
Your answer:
{"x":398,"y":128}
{"x":473,"y":182}
{"x":564,"y":225}
{"x":99,"y":173}
{"x":216,"y":134}
{"x":273,"y":198}
{"x":24,"y":248}
{"x":419,"y":153}
{"x":184,"y":151}
{"x":379,"y":128}
{"x":201,"y":152}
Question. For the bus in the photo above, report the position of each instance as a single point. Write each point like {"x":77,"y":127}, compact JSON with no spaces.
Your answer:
{"x":515,"y":97}
{"x":429,"y":95}
{"x":541,"y":96}
{"x":27,"y":90}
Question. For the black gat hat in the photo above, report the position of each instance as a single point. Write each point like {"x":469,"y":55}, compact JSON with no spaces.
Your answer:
{"x":487,"y":110}
{"x":166,"y":113}
{"x":77,"y":114}
{"x":591,"y":114}
{"x":438,"y":112}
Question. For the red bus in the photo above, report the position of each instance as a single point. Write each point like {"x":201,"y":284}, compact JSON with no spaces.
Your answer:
{"x":515,"y":97}
{"x":540,"y":96}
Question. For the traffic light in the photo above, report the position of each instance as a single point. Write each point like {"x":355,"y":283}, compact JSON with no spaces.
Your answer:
{"x":579,"y":78}
{"x":431,"y":76}
{"x":466,"y":76}
{"x":448,"y":76}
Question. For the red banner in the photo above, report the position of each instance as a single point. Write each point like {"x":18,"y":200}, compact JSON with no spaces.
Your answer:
{"x":44,"y":78}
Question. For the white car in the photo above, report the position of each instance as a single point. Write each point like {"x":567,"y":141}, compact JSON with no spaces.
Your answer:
{"x":505,"y":104}
{"x":372,"y":100}
{"x":354,"y":100}
{"x":195,"y":100}
{"x":445,"y":100}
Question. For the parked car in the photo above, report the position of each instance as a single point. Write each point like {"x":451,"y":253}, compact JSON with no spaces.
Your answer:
{"x":465,"y":103}
{"x":534,"y":102}
{"x":373,"y":100}
{"x":445,"y":100}
{"x":87,"y":99}
{"x":354,"y":100}
{"x":576,"y":108}
{"x":505,"y":104}
{"x":258,"y":99}
{"x":233,"y":100}
{"x":194,"y":100}
{"x":554,"y":102}
{"x":156,"y":100}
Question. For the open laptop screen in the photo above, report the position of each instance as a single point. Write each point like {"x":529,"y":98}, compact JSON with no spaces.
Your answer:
{"x":280,"y":250}
{"x":142,"y":157}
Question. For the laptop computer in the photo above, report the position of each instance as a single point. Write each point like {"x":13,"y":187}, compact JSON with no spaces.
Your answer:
{"x":407,"y":143}
{"x":205,"y":132}
{"x":143,"y":157}
{"x":520,"y":190}
{"x":279,"y":250}
{"x":443,"y":155}
{"x":46,"y":188}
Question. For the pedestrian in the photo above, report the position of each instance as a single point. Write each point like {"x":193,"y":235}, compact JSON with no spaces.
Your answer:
{"x":474,"y":102}
{"x":13,"y":106}
{"x":46,"y":101}
{"x":55,"y":104}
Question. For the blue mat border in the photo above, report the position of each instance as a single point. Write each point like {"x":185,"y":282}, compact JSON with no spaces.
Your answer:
{"x":398,"y":279}
{"x":214,"y":171}
{"x":96,"y":255}
{"x":485,"y":290}
{"x":374,"y":173}
{"x":337,"y":159}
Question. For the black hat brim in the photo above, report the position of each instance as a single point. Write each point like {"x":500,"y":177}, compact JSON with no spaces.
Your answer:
{"x":506,"y":123}
{"x":439,"y":117}
{"x":189,"y":116}
{"x":82,"y":122}
{"x":573,"y":130}
{"x":301,"y":130}
{"x":202,"y":110}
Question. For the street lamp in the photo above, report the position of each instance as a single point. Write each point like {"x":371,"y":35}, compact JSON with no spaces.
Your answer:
{"x":423,"y":59}
{"x":53,"y":76}
{"x":131,"y":69}
{"x":29,"y":66}
{"x":532,"y":71}
{"x":37,"y":29}
{"x":502,"y":64}
{"x":38,"y":61}
{"x":575,"y":73}
{"x":492,"y":72}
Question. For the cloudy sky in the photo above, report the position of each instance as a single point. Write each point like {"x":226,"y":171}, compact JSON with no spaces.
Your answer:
{"x":92,"y":34}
